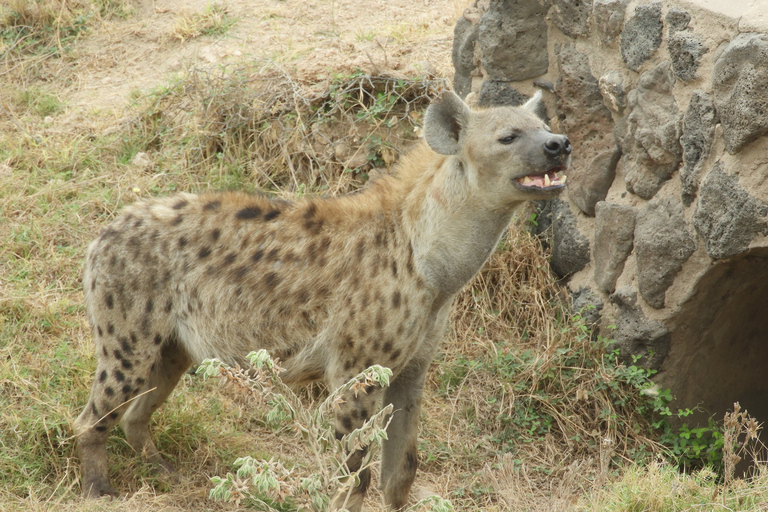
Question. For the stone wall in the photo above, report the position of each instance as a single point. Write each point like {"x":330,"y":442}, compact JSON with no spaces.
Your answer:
{"x":664,"y":226}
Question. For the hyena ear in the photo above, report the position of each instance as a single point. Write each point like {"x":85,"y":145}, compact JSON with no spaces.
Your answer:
{"x":536,"y":106}
{"x":446,"y":117}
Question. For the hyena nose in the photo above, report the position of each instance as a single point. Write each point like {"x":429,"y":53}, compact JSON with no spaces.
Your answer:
{"x":558,"y":145}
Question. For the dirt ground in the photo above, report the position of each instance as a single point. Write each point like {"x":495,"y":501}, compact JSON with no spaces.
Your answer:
{"x":313,"y":40}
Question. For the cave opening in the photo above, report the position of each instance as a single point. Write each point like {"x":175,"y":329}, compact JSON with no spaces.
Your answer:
{"x":719,"y":343}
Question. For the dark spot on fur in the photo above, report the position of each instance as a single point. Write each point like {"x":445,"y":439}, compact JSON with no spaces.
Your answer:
{"x":110,"y":301}
{"x":158,"y":339}
{"x":127,"y":390}
{"x":303,"y":296}
{"x":213,"y":205}
{"x":380,"y":320}
{"x":349,"y":343}
{"x":113,"y":415}
{"x":181,"y":204}
{"x":140,"y":381}
{"x":250,"y":212}
{"x":271,"y":215}
{"x":257,"y":255}
{"x":339,"y":435}
{"x":396,"y":298}
{"x":109,"y":391}
{"x":229,"y":259}
{"x":103,"y":376}
{"x":134,"y":340}
{"x":94,"y":410}
{"x":183,"y":241}
{"x":204,"y":252}
{"x":101,"y":428}
{"x":126,"y":364}
{"x":99,"y":331}
{"x":177,"y":221}
{"x":368,"y":364}
{"x":271,"y":280}
{"x":149,"y":306}
{"x":239,"y":273}
{"x":347,"y":365}
{"x":119,"y":376}
{"x":272,"y":255}
{"x":387,"y":347}
{"x":394,"y":267}
{"x":215,"y":234}
{"x":168,"y":305}
{"x":395,"y":355}
{"x":346,"y":422}
{"x":110,"y":328}
{"x":363,"y":414}
{"x":360,"y":249}
{"x":380,"y":238}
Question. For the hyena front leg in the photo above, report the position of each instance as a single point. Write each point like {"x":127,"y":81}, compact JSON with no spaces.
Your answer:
{"x":399,"y":458}
{"x":352,"y":414}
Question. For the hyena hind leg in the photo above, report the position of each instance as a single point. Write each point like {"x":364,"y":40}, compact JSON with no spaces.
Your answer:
{"x":164,"y":376}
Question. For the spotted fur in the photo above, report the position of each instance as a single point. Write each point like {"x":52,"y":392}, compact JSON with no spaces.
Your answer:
{"x":330,"y":286}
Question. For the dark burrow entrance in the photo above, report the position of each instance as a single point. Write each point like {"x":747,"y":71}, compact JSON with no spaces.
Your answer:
{"x":719,"y":344}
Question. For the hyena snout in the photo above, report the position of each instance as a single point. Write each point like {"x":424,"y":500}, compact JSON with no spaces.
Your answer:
{"x":557,"y":145}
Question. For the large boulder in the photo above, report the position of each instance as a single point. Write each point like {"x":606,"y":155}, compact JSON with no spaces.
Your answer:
{"x":614,"y":236}
{"x":739,"y":81}
{"x":589,"y":125}
{"x":663,"y":242}
{"x":641,"y":36}
{"x":650,"y":135}
{"x":642,"y":341}
{"x":513,"y":40}
{"x":726,"y":216}
{"x":698,"y":133}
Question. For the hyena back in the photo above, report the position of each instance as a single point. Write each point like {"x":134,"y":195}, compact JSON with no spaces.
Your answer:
{"x":330,"y":286}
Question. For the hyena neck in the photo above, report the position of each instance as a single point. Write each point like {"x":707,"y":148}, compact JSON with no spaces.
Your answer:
{"x":454,"y":231}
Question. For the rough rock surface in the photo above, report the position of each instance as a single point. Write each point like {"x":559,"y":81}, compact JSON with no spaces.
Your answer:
{"x":686,"y":50}
{"x":609,"y":19}
{"x":513,"y":40}
{"x":650,"y":135}
{"x":612,"y":88}
{"x":677,"y":20}
{"x":739,"y":81}
{"x":698,"y":133}
{"x":663,"y":242}
{"x":464,"y":38}
{"x":589,"y":125}
{"x":641,"y":36}
{"x":496,"y":93}
{"x":640,"y":339}
{"x":572,"y":16}
{"x":588,"y":304}
{"x":726,"y":216}
{"x":570,"y":249}
{"x":614,"y":235}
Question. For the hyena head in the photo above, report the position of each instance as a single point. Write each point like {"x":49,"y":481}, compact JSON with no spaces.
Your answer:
{"x":510,"y":154}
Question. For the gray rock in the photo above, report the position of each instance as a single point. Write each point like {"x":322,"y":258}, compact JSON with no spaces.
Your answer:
{"x":663,"y":242}
{"x":572,"y":16}
{"x":698,"y":133}
{"x":642,"y":341}
{"x":739,"y":82}
{"x":587,"y":304}
{"x":464,"y":39}
{"x":513,"y":40}
{"x":608,"y":17}
{"x":726,"y":216}
{"x":686,"y":50}
{"x":589,"y":125}
{"x":557,"y":225}
{"x":641,"y":36}
{"x":649,"y":136}
{"x":677,"y":20}
{"x":614,"y":235}
{"x":496,"y":93}
{"x":612,"y":88}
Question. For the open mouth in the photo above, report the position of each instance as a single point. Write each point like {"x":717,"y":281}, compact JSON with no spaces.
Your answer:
{"x":544,"y":180}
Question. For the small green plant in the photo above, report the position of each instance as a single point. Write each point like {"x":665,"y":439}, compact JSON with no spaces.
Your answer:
{"x":269,"y":484}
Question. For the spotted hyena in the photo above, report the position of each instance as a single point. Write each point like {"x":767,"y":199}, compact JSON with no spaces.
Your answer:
{"x":330,"y":286}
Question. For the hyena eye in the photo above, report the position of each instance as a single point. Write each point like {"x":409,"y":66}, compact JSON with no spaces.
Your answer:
{"x":509,"y":139}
